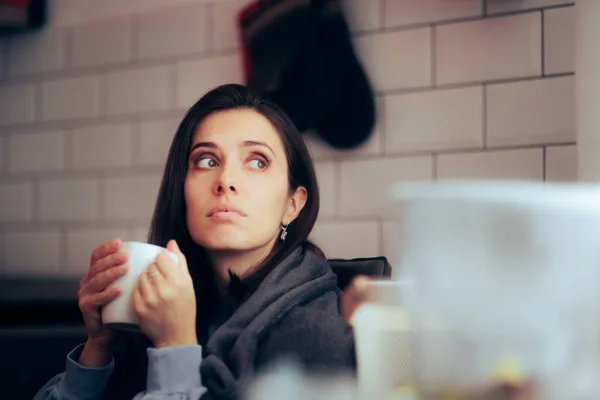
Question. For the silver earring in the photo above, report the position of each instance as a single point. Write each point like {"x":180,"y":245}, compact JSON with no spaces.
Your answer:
{"x":283,"y":233}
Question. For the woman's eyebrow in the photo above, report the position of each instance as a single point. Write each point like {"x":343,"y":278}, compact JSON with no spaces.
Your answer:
{"x":203,"y":144}
{"x":252,"y":143}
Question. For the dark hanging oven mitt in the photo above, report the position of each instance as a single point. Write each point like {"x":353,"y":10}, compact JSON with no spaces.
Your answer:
{"x":283,"y":60}
{"x":352,"y":118}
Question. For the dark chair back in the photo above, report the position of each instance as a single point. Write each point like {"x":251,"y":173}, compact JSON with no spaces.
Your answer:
{"x":347,"y":269}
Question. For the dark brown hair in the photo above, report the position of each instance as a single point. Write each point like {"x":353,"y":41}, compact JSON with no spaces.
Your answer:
{"x":169,"y":219}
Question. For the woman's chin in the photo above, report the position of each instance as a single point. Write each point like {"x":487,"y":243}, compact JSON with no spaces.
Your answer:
{"x":224,"y":242}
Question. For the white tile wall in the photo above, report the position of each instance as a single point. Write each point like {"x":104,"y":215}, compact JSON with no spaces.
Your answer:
{"x":81,"y":242}
{"x":434,"y":120}
{"x":522,"y":164}
{"x":36,"y":52}
{"x":3,"y":153}
{"x":559,"y":40}
{"x":88,"y":112}
{"x":33,"y":252}
{"x":496,"y":6}
{"x":320,"y":150}
{"x":392,"y":238}
{"x":16,"y":200}
{"x":3,"y":268}
{"x":364,"y":182}
{"x":139,"y":233}
{"x":397,"y":60}
{"x":327,"y":177}
{"x":3,"y":58}
{"x":490,"y":49}
{"x":408,"y":12}
{"x":70,"y":98}
{"x":363,"y":15}
{"x":68,"y":200}
{"x":348,"y":239}
{"x":127,"y":198}
{"x":531,"y":112}
{"x":172,"y":31}
{"x":154,"y":141}
{"x":36,"y":151}
{"x":138,"y":90}
{"x":194,"y":78}
{"x":102,"y":146}
{"x":226,"y":32}
{"x":103,"y":42}
{"x":561,"y":163}
{"x":17,"y":103}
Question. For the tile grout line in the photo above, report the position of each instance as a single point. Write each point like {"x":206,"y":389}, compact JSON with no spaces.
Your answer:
{"x":36,"y":202}
{"x":381,"y":244}
{"x":38,"y":102}
{"x":68,"y":163}
{"x":4,"y":55}
{"x":381,"y":16}
{"x":543,"y":42}
{"x":102,"y":82}
{"x":484,"y":117}
{"x":62,"y":256}
{"x":174,"y":91}
{"x":433,"y":32}
{"x":68,"y":47}
{"x":133,"y":40}
{"x":136,"y":141}
{"x":102,"y":212}
{"x":209,"y":19}
{"x":544,"y":163}
{"x":5,"y":153}
{"x":381,"y":125}
{"x":3,"y":251}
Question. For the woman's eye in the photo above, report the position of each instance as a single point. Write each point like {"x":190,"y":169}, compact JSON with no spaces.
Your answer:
{"x":206,"y":162}
{"x":258,"y":164}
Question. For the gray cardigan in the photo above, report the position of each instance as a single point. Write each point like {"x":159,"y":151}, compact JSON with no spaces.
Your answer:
{"x":295,"y":312}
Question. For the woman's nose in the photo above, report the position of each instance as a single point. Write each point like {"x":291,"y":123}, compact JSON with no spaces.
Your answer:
{"x":225,"y":188}
{"x":226,"y":182}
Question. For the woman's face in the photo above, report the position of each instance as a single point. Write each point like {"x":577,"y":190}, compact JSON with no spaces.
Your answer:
{"x":237,"y":193}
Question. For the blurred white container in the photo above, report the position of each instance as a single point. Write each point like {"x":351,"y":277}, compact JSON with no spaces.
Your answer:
{"x":506,"y":269}
{"x":382,"y":339}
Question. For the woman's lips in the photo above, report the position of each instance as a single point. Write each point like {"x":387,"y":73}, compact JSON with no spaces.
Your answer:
{"x":224,"y":213}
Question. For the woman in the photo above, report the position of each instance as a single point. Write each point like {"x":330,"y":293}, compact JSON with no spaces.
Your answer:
{"x":237,"y":202}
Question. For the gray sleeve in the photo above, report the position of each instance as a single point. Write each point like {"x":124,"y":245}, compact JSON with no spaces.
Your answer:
{"x":77,"y":382}
{"x":173,"y":374}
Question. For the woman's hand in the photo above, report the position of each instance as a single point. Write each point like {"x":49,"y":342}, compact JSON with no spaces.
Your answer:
{"x":165,"y":302}
{"x":106,"y":265}
{"x":354,"y":295}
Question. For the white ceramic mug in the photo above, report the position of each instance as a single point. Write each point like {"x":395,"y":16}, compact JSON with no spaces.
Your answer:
{"x":119,"y":313}
{"x":510,"y":273}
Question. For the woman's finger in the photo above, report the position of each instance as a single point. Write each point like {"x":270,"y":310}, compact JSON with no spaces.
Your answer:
{"x":139,"y":305}
{"x":167,"y":266}
{"x":174,"y":247}
{"x":146,"y":281}
{"x":108,"y":262}
{"x":105,"y":249}
{"x":99,"y":282}
{"x":95,"y":301}
{"x":105,"y":297}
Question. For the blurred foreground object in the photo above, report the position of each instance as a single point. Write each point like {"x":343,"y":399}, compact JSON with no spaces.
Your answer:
{"x":505,"y":286}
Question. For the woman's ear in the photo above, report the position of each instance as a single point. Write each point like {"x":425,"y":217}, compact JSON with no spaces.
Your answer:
{"x":296,"y":203}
